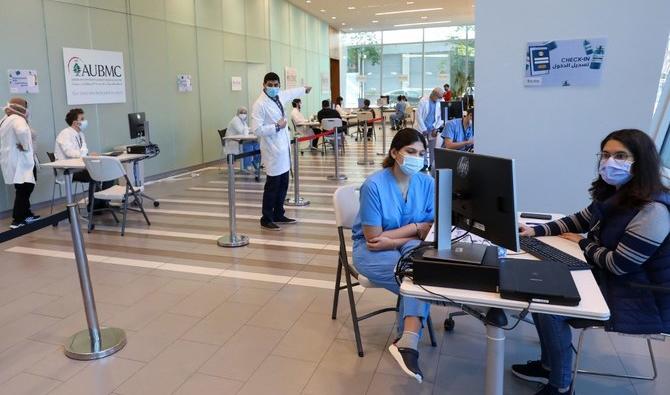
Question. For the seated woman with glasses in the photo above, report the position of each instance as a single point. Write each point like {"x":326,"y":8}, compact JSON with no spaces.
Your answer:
{"x":626,"y":227}
{"x":396,"y":213}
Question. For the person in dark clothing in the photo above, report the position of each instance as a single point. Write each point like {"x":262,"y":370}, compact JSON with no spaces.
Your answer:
{"x":326,"y":112}
{"x":627,"y":227}
{"x":366,"y":108}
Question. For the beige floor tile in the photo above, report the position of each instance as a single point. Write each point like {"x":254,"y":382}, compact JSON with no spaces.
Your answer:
{"x":201,"y":384}
{"x":60,"y":330}
{"x":243,"y":353}
{"x":183,"y":287}
{"x":279,"y":376}
{"x":28,"y":384}
{"x":204,"y":300}
{"x":23,"y":305}
{"x":221,"y":324}
{"x":22,"y":328}
{"x":281,"y":313}
{"x":160,"y":333}
{"x":169,"y":370}
{"x":145,"y":311}
{"x":254,"y":296}
{"x":99,"y":377}
{"x":309,"y":338}
{"x":22,"y":355}
{"x":342,"y":371}
{"x":57,"y":366}
{"x":398,"y":385}
{"x":132,"y":293}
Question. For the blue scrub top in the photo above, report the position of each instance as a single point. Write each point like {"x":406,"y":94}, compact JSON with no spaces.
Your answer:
{"x":454,"y":131}
{"x":382,"y":203}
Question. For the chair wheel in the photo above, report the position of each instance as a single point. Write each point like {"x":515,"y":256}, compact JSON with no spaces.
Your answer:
{"x":449,"y":324}
{"x":156,"y":204}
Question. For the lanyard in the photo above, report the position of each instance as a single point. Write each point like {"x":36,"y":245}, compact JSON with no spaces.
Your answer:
{"x":278,"y":103}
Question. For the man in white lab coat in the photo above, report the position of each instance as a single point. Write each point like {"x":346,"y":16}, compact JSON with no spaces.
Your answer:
{"x":17,"y":158}
{"x":268,"y":122}
{"x":429,"y":121}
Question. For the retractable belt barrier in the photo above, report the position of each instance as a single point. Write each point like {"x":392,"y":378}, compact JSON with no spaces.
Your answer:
{"x":366,"y":161}
{"x":53,"y":219}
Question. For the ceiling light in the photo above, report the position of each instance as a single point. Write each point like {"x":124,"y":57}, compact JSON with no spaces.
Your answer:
{"x":351,"y":28}
{"x":351,"y":8}
{"x":308,"y":1}
{"x":424,"y":17}
{"x":333,"y":17}
{"x":375,"y":21}
{"x":322,"y":10}
{"x":409,"y":11}
{"x":410,"y":2}
{"x":344,"y":24}
{"x":420,"y":23}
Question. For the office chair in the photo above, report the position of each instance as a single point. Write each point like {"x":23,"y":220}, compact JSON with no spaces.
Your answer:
{"x":345,"y":200}
{"x":107,"y":168}
{"x":584,"y":325}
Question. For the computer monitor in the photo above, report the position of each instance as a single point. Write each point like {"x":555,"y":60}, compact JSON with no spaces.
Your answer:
{"x":136,"y":123}
{"x":455,"y":109}
{"x":477,"y":195}
{"x":361,"y":102}
{"x":384,"y":101}
{"x":468,"y":101}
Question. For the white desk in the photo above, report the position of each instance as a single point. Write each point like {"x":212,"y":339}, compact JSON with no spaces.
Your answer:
{"x":592,"y":306}
{"x":311,"y":124}
{"x":242,"y":138}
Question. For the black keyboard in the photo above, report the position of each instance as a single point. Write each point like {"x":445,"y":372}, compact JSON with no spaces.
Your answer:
{"x":114,"y":153}
{"x":544,"y":251}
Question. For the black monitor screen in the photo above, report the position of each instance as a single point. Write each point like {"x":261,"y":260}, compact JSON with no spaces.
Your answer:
{"x":483,"y":198}
{"x":455,"y":109}
{"x":136,"y":125}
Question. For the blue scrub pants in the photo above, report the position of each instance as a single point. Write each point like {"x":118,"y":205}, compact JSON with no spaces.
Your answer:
{"x":255,"y":160}
{"x":379,"y":268}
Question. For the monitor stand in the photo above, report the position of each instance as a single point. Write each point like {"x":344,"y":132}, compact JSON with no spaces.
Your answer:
{"x":468,"y":253}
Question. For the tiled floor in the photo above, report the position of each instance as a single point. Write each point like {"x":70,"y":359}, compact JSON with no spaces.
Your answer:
{"x":202,"y":319}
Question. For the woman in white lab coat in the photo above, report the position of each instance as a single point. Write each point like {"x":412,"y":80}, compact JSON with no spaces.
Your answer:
{"x":239,"y":126}
{"x":17,"y":158}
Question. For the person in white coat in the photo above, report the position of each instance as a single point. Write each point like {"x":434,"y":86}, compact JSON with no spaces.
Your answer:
{"x":17,"y":158}
{"x":429,"y":121}
{"x":268,"y":122}
{"x":71,"y":144}
{"x":238,"y":126}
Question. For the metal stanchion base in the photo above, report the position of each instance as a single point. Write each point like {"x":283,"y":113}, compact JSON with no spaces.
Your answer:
{"x":292,"y":203}
{"x":381,"y":154}
{"x":364,"y":163}
{"x":235,"y":241}
{"x":340,"y":177}
{"x":79,"y":345}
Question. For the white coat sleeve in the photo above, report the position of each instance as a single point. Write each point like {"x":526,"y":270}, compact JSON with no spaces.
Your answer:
{"x":23,"y":133}
{"x":290,"y":94}
{"x":257,"y":122}
{"x":69,"y":148}
{"x":420,"y":116}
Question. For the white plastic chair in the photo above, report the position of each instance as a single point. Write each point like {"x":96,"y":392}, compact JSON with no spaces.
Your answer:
{"x":363,"y":119}
{"x":346,"y":203}
{"x":328,"y":124}
{"x":107,"y":168}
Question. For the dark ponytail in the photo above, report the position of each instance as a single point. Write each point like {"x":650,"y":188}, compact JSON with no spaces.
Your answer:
{"x":403,"y":138}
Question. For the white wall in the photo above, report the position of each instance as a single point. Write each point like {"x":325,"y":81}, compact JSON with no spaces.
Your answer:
{"x":554,"y":133}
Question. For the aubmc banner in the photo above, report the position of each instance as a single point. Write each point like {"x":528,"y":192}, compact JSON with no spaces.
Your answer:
{"x":94,"y":77}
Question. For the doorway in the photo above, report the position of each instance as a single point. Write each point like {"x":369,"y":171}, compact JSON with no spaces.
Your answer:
{"x":334,"y":79}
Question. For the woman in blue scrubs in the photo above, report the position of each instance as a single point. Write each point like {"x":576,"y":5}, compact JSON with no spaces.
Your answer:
{"x":396,"y":213}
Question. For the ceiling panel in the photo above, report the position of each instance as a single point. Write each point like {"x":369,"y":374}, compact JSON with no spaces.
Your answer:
{"x":364,"y":15}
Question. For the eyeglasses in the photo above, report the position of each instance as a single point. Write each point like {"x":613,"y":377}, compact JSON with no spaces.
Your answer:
{"x":619,"y":157}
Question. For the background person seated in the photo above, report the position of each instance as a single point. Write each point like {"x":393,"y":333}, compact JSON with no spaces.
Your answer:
{"x":458,"y":134}
{"x":326,"y":112}
{"x":400,"y":110}
{"x":371,"y":125}
{"x":298,"y":118}
{"x":627,"y":227}
{"x":238,"y":126}
{"x":71,"y":144}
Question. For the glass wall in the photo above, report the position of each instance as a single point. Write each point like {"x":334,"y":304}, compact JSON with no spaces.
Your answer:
{"x":408,"y":62}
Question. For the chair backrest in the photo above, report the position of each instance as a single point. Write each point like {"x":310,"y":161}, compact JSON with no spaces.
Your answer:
{"x":104,"y":168}
{"x":331,"y":123}
{"x":347,"y":204}
{"x":52,"y":158}
{"x":222,"y":135}
{"x":364,"y":116}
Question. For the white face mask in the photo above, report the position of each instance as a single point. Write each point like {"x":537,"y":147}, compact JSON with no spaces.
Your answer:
{"x":243,"y":117}
{"x":83,"y":124}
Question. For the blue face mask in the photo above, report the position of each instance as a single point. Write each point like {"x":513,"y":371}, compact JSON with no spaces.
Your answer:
{"x":615,"y":173}
{"x":411,"y":164}
{"x":272,"y":91}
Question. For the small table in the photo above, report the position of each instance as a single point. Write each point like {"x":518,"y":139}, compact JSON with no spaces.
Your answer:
{"x":311,"y":124}
{"x":592,"y":306}
{"x":94,"y":342}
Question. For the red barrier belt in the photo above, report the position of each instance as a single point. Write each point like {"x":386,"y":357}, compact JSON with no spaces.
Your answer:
{"x":314,"y":137}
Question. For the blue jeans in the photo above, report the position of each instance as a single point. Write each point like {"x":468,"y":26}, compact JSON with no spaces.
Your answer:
{"x":556,"y":343}
{"x":379,"y":268}
{"x":396,"y":119}
{"x":255,"y":160}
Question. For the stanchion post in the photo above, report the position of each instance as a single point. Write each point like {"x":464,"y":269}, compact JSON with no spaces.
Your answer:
{"x":383,"y":153}
{"x":94,"y":342}
{"x":232,"y":239}
{"x":365,"y":160}
{"x":297,"y":201}
{"x":337,"y":176}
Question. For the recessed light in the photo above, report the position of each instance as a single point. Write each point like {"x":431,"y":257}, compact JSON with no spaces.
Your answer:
{"x":410,"y":2}
{"x":424,"y":17}
{"x":308,"y":1}
{"x":420,"y":23}
{"x":351,"y":28}
{"x":322,"y":10}
{"x":351,"y":8}
{"x":333,"y":17}
{"x":375,"y":21}
{"x":409,"y":11}
{"x":344,"y":24}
